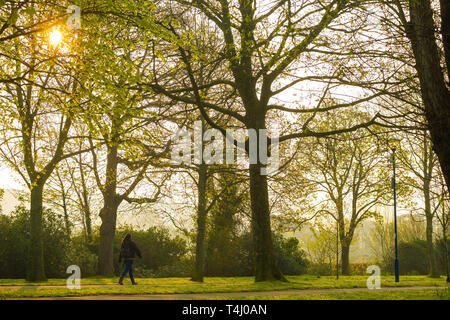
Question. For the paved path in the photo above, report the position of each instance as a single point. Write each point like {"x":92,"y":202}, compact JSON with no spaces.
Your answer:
{"x":224,"y":294}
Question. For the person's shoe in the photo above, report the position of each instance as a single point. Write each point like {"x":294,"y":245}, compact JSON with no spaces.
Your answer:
{"x":132,"y":281}
{"x":121,"y":280}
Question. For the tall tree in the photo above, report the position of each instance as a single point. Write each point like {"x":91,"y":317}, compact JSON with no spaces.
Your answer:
{"x":125,"y":125}
{"x":352,"y":174}
{"x":425,"y":24}
{"x":38,"y":111}
{"x":263,"y":45}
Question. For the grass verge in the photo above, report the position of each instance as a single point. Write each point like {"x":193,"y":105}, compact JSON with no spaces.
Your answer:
{"x":18,"y":288}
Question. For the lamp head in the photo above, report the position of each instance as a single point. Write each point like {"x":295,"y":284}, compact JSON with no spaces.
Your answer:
{"x":393,"y":143}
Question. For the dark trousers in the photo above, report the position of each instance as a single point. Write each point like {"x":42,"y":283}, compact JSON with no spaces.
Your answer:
{"x":128,"y":268}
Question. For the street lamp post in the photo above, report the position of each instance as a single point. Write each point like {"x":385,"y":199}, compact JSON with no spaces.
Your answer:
{"x":395,"y":216}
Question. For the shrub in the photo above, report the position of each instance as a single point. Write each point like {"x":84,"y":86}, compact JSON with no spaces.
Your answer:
{"x":81,"y":255}
{"x":413,"y":257}
{"x":321,"y":269}
{"x":14,"y":247}
{"x":141,"y":272}
{"x":240,"y":261}
{"x":158,"y":248}
{"x":440,"y":254}
{"x":358,"y":269}
{"x":182,"y":268}
{"x":291,"y":259}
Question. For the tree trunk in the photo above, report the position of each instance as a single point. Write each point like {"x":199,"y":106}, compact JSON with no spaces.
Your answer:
{"x":435,"y":94}
{"x":86,"y":211}
{"x":447,"y":260}
{"x":88,"y":223}
{"x":345,"y":257}
{"x":430,"y":248}
{"x":266,"y":268}
{"x":201,"y":224}
{"x":66,"y":214}
{"x":428,"y":162}
{"x":36,"y":270}
{"x":108,"y":214}
{"x":342,"y":236}
{"x":445,"y":25}
{"x":84,"y":199}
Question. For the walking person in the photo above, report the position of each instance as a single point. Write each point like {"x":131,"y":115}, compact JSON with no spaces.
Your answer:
{"x":127,"y":251}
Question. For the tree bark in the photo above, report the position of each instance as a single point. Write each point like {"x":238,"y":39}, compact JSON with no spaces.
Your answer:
{"x":108,"y":215}
{"x":36,"y":270}
{"x":447,"y":260}
{"x":445,"y":25}
{"x":435,"y":94}
{"x":84,"y":199}
{"x":266,"y":268}
{"x":345,"y":257}
{"x":429,"y":229}
{"x":88,"y":223}
{"x":430,"y":248}
{"x":201,"y":224}
{"x":66,"y":213}
{"x":345,"y":237}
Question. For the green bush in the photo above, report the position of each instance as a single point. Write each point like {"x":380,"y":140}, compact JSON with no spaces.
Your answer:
{"x":233,"y":257}
{"x":440,"y":254}
{"x":140,"y":272}
{"x":14,"y":247}
{"x":160,"y":251}
{"x":413,"y":257}
{"x":291,"y":259}
{"x":240,"y":261}
{"x":358,"y":269}
{"x":181,"y":268}
{"x":81,"y":254}
{"x":322,"y":269}
{"x":163,"y":255}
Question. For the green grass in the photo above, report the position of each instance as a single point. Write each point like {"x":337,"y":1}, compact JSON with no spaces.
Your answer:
{"x":442,"y":294}
{"x":211,"y":284}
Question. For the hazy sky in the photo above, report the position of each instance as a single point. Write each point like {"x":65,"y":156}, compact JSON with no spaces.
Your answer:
{"x":9,"y":179}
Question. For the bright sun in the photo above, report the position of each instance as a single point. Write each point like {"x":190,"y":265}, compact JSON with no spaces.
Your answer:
{"x":55,"y":37}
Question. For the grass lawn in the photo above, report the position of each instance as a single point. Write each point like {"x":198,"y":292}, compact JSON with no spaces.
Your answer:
{"x":224,"y":284}
{"x":443,"y":294}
